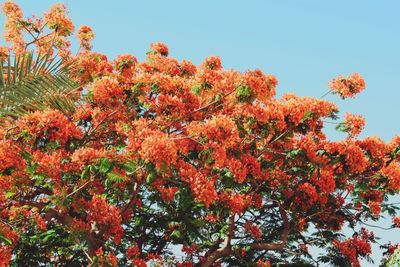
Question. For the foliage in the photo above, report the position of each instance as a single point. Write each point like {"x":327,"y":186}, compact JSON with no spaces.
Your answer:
{"x":162,"y":155}
{"x":35,"y":84}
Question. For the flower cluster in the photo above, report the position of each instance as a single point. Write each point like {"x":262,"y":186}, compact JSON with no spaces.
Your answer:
{"x":159,"y":150}
{"x":56,"y":19}
{"x":159,"y":48}
{"x":164,"y":152}
{"x":103,"y":216}
{"x":347,"y":87}
{"x":13,"y":32}
{"x":85,"y":36}
{"x":50,"y":125}
{"x":355,"y":247}
{"x":253,"y":229}
{"x":354,"y":123}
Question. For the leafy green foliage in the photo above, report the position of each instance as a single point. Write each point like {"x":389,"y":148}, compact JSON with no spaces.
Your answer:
{"x":30,"y":83}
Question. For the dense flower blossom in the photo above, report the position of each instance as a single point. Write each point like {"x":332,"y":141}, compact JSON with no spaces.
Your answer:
{"x":5,"y":251}
{"x":308,"y":195}
{"x":355,"y":158}
{"x":10,"y":157}
{"x":262,"y":263}
{"x":391,"y":248}
{"x":187,"y":68}
{"x":103,"y":215}
{"x":374,"y":146}
{"x":159,"y":149}
{"x":212,"y":63}
{"x":91,"y":65}
{"x":355,"y":247}
{"x":160,"y":48}
{"x":392,"y":172}
{"x":13,"y":32}
{"x":236,"y":202}
{"x":348,"y":87}
{"x":57,"y":19}
{"x":51,"y":125}
{"x":125,"y":64}
{"x":355,"y":124}
{"x":263,"y":86}
{"x":396,"y":222}
{"x":4,"y":52}
{"x":219,"y":129}
{"x":106,"y":91}
{"x":85,"y":36}
{"x":375,"y":208}
{"x":162,"y":153}
{"x":253,"y":230}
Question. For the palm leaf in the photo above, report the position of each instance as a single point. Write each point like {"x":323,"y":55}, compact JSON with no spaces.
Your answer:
{"x":29,"y":84}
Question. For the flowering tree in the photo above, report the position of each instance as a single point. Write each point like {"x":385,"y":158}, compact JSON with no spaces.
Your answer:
{"x":160,"y":156}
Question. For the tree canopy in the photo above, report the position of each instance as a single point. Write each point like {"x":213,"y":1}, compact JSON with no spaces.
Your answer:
{"x":165,"y":163}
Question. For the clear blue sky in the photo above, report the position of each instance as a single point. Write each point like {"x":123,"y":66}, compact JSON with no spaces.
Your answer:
{"x":304,"y":43}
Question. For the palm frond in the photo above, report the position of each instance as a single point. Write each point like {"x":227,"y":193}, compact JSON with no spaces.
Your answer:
{"x":30,"y":84}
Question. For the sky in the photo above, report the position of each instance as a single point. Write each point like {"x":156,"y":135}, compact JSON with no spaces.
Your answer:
{"x":303,"y":43}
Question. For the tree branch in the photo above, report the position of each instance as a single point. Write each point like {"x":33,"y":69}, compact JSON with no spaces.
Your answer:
{"x":284,"y":236}
{"x":226,"y":249}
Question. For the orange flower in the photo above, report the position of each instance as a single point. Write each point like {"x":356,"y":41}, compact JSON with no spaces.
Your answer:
{"x":159,"y":48}
{"x":125,"y":64}
{"x":261,"y":263}
{"x":354,"y":123}
{"x":106,"y":217}
{"x":4,"y":52}
{"x":107,"y":91}
{"x":49,"y":124}
{"x":375,"y":208}
{"x":85,"y":36}
{"x":159,"y":149}
{"x":212,"y":63}
{"x":396,"y":222}
{"x":10,"y":156}
{"x":392,"y":172}
{"x":262,"y":86}
{"x":347,"y":87}
{"x":253,"y":229}
{"x":57,"y":20}
{"x":355,"y":158}
{"x":188,"y":68}
{"x":91,"y":65}
{"x":13,"y":32}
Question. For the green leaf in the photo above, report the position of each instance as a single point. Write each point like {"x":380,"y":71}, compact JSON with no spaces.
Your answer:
{"x":176,"y":234}
{"x":85,"y":173}
{"x":105,"y":165}
{"x":130,"y":167}
{"x":151,"y":176}
{"x":196,"y":89}
{"x":224,"y":230}
{"x":5,"y":240}
{"x":32,"y":169}
{"x":293,"y":153}
{"x":342,"y":127}
{"x":244,"y":93}
{"x":48,"y":234}
{"x":26,"y":156}
{"x":154,"y":87}
{"x":115,"y":178}
{"x":36,"y":84}
{"x":306,"y":116}
{"x":9,"y":194}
